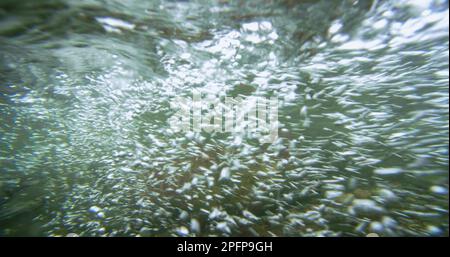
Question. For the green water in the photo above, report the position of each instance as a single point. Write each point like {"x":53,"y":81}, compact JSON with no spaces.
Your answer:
{"x":85,"y":93}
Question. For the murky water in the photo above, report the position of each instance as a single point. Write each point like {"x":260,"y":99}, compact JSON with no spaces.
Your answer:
{"x":85,"y":97}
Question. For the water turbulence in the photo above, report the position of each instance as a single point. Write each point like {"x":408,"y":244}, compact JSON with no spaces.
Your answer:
{"x":85,"y":99}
